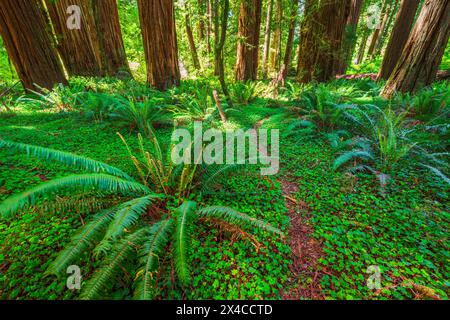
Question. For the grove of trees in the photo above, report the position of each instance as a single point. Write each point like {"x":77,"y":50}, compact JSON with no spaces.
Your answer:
{"x":313,"y":161}
{"x":47,"y":39}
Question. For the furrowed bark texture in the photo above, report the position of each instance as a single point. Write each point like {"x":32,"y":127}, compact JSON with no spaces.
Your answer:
{"x":399,"y":36}
{"x":248,"y":46}
{"x":423,"y":52}
{"x":79,"y":48}
{"x":29,"y":46}
{"x":160,"y":42}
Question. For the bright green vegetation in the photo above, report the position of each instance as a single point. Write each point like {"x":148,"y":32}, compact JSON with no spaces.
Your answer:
{"x":372,"y":177}
{"x":376,"y":194}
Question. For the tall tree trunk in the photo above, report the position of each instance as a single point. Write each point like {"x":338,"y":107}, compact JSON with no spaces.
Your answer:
{"x":400,"y":33}
{"x":78,"y":46}
{"x":29,"y":46}
{"x":291,"y":34}
{"x":422,"y":55}
{"x":284,"y":70}
{"x":267,"y":38}
{"x":220,"y":46}
{"x":362,"y":48}
{"x":114,"y":59}
{"x":160,"y":42}
{"x":216,"y":27}
{"x":350,"y":35}
{"x":308,"y":41}
{"x":377,"y":33}
{"x":276,"y":52}
{"x":387,"y":27}
{"x":334,"y":17}
{"x":208,"y":26}
{"x":322,"y":52}
{"x":201,"y":21}
{"x":248,"y":45}
{"x":190,"y":36}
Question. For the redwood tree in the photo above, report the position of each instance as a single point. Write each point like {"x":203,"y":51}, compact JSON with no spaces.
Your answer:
{"x":387,"y":27}
{"x":284,"y":70}
{"x":350,"y":34}
{"x":422,"y":55}
{"x":248,"y":45}
{"x":109,"y":35}
{"x":277,"y":35}
{"x":306,"y":53}
{"x":322,"y":36}
{"x":267,"y":32}
{"x":160,"y":42}
{"x":400,"y":33}
{"x":78,"y":46}
{"x":380,"y":27}
{"x":190,"y":36}
{"x":29,"y":46}
{"x":290,"y":39}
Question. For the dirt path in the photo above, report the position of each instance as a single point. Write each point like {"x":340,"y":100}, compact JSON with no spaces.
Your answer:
{"x":304,"y":282}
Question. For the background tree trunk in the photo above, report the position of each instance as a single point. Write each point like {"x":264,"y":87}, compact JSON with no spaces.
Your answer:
{"x":208,"y":25}
{"x":29,"y":46}
{"x":201,"y":19}
{"x":248,"y":43}
{"x":267,"y":38}
{"x":334,"y":18}
{"x":216,"y":27}
{"x":321,"y":39}
{"x":377,"y":32}
{"x":362,"y":48}
{"x":190,"y":36}
{"x":109,"y":34}
{"x":291,"y":34}
{"x":387,"y":27}
{"x":276,"y":51}
{"x":306,"y":61}
{"x":221,"y":44}
{"x":350,"y":35}
{"x":284,"y":70}
{"x":160,"y":42}
{"x":79,"y":48}
{"x":400,"y":33}
{"x":423,"y":52}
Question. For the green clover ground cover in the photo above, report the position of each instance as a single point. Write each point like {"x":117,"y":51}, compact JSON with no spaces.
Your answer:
{"x":233,"y":270}
{"x":403,"y":231}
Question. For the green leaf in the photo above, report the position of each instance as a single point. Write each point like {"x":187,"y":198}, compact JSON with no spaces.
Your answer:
{"x":184,"y":216}
{"x":102,"y":182}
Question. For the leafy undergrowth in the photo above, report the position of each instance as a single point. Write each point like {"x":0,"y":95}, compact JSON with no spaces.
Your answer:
{"x":403,"y":229}
{"x":250,"y":268}
{"x":404,"y":233}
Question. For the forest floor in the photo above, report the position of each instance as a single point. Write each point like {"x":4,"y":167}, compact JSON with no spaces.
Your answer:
{"x":338,"y":225}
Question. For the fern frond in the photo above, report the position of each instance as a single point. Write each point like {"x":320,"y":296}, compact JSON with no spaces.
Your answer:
{"x":87,"y":202}
{"x":101,"y":182}
{"x":237,"y":218}
{"x":437,"y":172}
{"x":182,"y":238}
{"x":66,"y":158}
{"x":112,"y":267}
{"x":83,"y":240}
{"x":347,"y":156}
{"x":212,"y":173}
{"x":158,"y":237}
{"x":127,"y":215}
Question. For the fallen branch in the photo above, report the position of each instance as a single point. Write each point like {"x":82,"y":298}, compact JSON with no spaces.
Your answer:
{"x":219,"y":106}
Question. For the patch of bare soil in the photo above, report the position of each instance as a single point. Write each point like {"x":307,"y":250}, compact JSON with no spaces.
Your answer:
{"x":304,"y":282}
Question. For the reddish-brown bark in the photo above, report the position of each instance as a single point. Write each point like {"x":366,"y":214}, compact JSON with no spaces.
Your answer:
{"x":29,"y":46}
